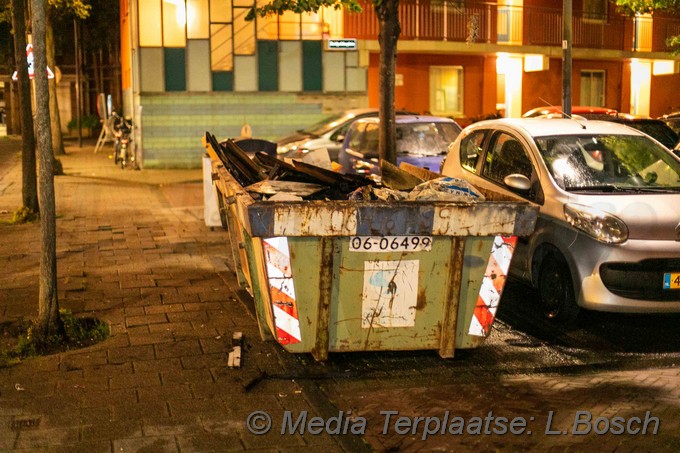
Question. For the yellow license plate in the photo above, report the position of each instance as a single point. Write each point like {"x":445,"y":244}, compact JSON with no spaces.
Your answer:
{"x":671,"y":280}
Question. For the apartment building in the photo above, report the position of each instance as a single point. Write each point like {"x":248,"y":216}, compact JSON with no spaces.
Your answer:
{"x":202,"y":66}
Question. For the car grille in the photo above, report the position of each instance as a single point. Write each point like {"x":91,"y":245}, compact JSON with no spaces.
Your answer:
{"x":642,"y":280}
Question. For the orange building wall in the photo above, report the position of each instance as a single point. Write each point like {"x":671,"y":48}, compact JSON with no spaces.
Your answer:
{"x":665,"y":96}
{"x":545,"y":87}
{"x":414,"y":95}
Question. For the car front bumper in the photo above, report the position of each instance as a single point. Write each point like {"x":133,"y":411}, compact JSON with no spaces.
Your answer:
{"x":628,"y":278}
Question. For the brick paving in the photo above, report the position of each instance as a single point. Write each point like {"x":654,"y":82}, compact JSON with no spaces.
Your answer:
{"x":134,"y":251}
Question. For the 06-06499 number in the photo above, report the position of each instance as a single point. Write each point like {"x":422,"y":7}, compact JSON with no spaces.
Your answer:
{"x":390,"y":243}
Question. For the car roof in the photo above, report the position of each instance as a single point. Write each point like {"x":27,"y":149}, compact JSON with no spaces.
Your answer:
{"x":540,"y":127}
{"x":405,"y":119}
{"x":361,"y":111}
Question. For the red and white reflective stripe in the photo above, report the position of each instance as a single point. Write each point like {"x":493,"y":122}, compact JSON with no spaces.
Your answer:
{"x":282,"y":290}
{"x":492,"y":285}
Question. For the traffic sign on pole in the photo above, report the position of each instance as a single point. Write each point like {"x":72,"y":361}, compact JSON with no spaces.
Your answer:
{"x":31,"y":71}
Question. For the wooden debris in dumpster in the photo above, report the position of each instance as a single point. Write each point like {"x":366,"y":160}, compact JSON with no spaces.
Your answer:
{"x":266,"y":177}
{"x":396,"y":178}
{"x":277,"y":169}
{"x":344,"y":182}
{"x":273,"y":187}
{"x":419,"y":172}
{"x":237,"y":162}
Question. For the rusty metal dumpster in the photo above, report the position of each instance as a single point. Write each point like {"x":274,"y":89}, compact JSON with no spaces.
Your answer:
{"x":330,"y":276}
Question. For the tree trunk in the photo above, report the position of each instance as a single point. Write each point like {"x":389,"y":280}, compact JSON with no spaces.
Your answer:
{"x":57,"y":138}
{"x":48,"y":323}
{"x":387,"y":12}
{"x":29,"y":187}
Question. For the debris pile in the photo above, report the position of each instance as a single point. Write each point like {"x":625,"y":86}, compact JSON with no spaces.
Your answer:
{"x":266,"y":177}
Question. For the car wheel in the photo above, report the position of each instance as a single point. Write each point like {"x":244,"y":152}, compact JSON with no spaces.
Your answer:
{"x":557,"y":291}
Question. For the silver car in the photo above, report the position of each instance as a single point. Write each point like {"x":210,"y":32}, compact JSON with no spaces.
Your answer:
{"x":608,"y":233}
{"x":328,"y":133}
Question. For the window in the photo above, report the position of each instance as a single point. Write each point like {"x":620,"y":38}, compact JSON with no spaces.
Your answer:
{"x":592,"y":88}
{"x":446,"y":90}
{"x":174,"y":23}
{"x":149,"y":25}
{"x":369,"y":145}
{"x":357,"y":133}
{"x":470,"y":150}
{"x":506,"y":157}
{"x":197,"y":19}
{"x":595,"y":9}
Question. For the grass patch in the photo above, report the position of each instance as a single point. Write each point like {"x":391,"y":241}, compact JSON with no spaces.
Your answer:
{"x":18,"y":342}
{"x":21,"y":216}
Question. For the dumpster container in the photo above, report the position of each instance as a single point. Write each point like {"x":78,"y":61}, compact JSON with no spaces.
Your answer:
{"x":330,"y":276}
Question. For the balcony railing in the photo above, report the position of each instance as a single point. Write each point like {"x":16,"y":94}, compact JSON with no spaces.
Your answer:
{"x":458,"y":21}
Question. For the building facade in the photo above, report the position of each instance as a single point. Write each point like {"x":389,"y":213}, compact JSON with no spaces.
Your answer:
{"x":203,"y":67}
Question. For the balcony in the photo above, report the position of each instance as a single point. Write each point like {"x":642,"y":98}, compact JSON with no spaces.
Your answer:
{"x":457,"y":21}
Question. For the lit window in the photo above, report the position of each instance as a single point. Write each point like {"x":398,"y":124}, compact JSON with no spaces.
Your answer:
{"x":197,"y":19}
{"x":446,"y":90}
{"x":220,"y":10}
{"x":221,"y":54}
{"x":174,"y":23}
{"x":149,"y":25}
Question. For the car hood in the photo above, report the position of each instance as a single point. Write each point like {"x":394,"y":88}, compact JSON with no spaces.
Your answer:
{"x":648,"y":216}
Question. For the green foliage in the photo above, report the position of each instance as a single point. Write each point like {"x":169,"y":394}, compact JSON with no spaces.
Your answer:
{"x":78,"y":332}
{"x":24,"y":215}
{"x":83,"y":330}
{"x":89,"y":121}
{"x":674,"y":43}
{"x":5,"y":13}
{"x":78,"y":8}
{"x":302,"y":6}
{"x":633,"y":7}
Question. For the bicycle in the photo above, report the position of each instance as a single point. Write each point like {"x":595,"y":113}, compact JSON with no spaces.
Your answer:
{"x":124,"y":151}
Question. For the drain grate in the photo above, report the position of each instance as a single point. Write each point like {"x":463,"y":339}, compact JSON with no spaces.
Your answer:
{"x":19,"y":423}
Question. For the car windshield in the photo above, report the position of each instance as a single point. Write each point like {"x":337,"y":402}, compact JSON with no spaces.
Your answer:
{"x":609,"y":163}
{"x":425,"y":139}
{"x":328,"y":124}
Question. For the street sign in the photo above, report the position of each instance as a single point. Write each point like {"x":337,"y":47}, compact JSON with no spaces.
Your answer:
{"x":341,"y":44}
{"x":29,"y":60}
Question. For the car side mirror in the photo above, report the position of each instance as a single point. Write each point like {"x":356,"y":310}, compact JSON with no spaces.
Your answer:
{"x":518,"y":182}
{"x":340,"y":138}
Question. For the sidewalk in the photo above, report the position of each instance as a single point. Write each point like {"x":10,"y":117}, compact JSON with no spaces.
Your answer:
{"x":133,"y":250}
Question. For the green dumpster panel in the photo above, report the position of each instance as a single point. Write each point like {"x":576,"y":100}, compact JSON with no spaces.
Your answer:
{"x":389,"y":300}
{"x":315,"y":290}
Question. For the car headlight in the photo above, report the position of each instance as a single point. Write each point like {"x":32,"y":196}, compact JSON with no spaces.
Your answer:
{"x":599,"y":224}
{"x":282,"y":149}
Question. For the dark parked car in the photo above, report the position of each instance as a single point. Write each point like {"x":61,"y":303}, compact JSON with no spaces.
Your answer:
{"x":421,"y":141}
{"x":587,"y":112}
{"x":672,"y":120}
{"x":656,"y":129}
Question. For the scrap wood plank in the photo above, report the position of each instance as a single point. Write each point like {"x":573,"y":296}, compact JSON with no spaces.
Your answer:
{"x":234,"y":360}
